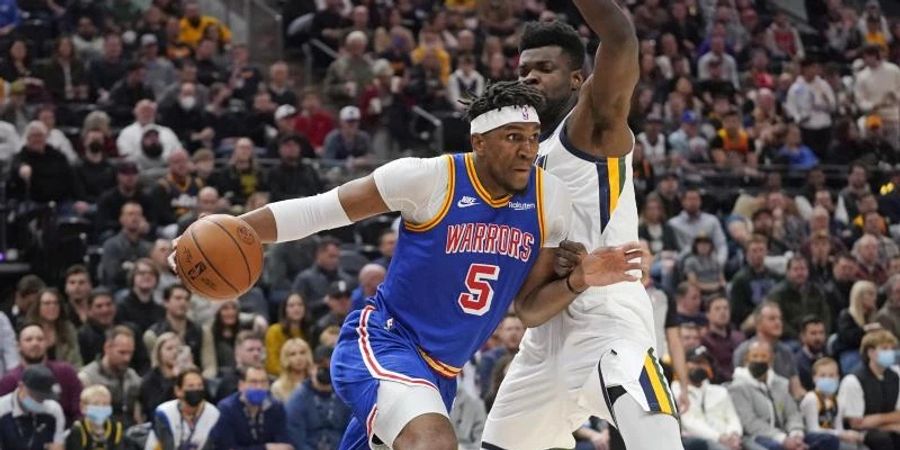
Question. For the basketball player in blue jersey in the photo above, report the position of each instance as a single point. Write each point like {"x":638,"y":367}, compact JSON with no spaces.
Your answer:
{"x":597,"y":358}
{"x":479,"y":234}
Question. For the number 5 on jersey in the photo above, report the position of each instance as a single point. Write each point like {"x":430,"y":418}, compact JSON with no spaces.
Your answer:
{"x":478,"y":300}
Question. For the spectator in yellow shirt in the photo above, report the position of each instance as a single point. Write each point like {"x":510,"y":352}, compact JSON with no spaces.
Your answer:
{"x":429,"y":40}
{"x":193,"y":25}
{"x":290,"y":325}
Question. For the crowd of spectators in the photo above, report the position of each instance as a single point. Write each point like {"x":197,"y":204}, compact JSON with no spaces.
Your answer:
{"x":765,"y":157}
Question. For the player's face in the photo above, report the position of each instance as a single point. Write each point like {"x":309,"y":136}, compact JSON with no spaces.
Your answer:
{"x":547,"y":69}
{"x":508,"y":153}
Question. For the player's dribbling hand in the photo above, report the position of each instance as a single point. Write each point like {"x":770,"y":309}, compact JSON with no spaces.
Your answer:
{"x":610,"y":265}
{"x":568,"y":255}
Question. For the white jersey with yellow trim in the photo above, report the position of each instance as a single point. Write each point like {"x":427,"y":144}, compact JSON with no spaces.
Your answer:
{"x":604,"y":214}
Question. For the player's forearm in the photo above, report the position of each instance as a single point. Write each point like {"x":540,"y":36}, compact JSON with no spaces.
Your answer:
{"x":608,"y":20}
{"x":543,"y":303}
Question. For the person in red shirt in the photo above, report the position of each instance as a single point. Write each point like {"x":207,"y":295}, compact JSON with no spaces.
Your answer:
{"x":313,"y":121}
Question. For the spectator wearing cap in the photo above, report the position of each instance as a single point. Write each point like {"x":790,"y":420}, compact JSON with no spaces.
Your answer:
{"x":124,"y":247}
{"x":869,"y":398}
{"x":193,"y":25}
{"x":314,"y":283}
{"x":348,"y":75}
{"x":94,"y":173}
{"x":33,"y":353}
{"x":812,"y":348}
{"x":712,"y":416}
{"x":189,"y":120}
{"x":316,"y":416}
{"x":30,"y":417}
{"x":177,"y":191}
{"x":285,"y":119}
{"x":337,"y":300}
{"x":876,"y":92}
{"x":106,"y":71}
{"x":293,"y":177}
{"x":810,"y":102}
{"x":41,"y":173}
{"x":348,"y":143}
{"x":127,"y":188}
{"x":130,"y":140}
{"x":160,"y":72}
{"x":279,"y":86}
{"x":721,"y":338}
{"x":313,"y":121}
{"x":111,"y":370}
{"x":242,"y":176}
{"x":769,"y":328}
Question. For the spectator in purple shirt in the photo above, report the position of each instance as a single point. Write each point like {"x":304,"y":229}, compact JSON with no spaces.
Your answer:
{"x":721,"y":338}
{"x":33,"y":350}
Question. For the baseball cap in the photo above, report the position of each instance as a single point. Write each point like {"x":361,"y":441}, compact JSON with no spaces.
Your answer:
{"x":40,"y":381}
{"x":148,"y":39}
{"x":285,"y":111}
{"x":339,"y":289}
{"x":349,"y":113}
{"x":689,"y":116}
{"x":127,"y":168}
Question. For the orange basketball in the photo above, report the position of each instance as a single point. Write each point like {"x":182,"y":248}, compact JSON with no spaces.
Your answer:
{"x":219,"y":257}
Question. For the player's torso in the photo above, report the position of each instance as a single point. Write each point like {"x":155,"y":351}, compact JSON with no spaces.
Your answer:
{"x":604,"y":214}
{"x":451,"y":281}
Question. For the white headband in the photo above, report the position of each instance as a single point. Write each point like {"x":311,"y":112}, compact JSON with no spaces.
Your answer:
{"x":506,"y":115}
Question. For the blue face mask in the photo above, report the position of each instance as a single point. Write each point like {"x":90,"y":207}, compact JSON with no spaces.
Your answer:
{"x":827,"y":386}
{"x":256,"y":396}
{"x":886,"y":358}
{"x":97,"y":413}
{"x":31,"y":405}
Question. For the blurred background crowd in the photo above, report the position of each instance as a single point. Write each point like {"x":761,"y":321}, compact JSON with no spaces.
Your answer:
{"x":766,"y":167}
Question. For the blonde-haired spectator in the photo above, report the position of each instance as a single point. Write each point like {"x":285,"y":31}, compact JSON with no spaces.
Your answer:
{"x":97,"y":429}
{"x":853,"y":322}
{"x":820,"y":409}
{"x":296,"y":366}
{"x":168,"y":357}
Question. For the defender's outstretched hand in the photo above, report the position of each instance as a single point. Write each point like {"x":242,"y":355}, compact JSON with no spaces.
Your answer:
{"x":608,"y":265}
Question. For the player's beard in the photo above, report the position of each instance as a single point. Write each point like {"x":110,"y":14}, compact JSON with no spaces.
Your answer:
{"x":554,"y":110}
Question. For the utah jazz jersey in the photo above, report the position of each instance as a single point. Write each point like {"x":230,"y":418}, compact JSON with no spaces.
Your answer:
{"x":452,"y":279}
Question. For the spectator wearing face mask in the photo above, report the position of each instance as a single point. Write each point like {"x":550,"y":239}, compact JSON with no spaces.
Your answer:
{"x":820,"y":409}
{"x":190,"y":409}
{"x":869,"y":396}
{"x":251,"y":417}
{"x":30,"y":418}
{"x":96,"y":430}
{"x":712,"y":416}
{"x":316,"y":417}
{"x":189,"y":120}
{"x":768,"y":413}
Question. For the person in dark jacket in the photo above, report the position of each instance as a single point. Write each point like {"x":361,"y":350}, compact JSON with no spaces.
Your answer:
{"x":127,"y":92}
{"x":189,"y":120}
{"x":293,"y":177}
{"x":316,"y":417}
{"x":41,"y":173}
{"x":100,"y":318}
{"x":126,"y":189}
{"x":853,"y":322}
{"x":94,"y":173}
{"x":242,"y":177}
{"x":251,"y":417}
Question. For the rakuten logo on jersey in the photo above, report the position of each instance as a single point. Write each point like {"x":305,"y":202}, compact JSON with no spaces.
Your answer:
{"x":519,"y":206}
{"x":489,"y":238}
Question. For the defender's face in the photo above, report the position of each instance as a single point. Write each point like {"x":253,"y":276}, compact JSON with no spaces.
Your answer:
{"x":547,"y":70}
{"x":509,"y":153}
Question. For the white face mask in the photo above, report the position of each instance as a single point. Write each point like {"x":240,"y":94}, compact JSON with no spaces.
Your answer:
{"x":187,"y":102}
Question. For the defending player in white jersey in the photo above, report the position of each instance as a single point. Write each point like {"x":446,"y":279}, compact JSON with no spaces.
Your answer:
{"x":597,"y":358}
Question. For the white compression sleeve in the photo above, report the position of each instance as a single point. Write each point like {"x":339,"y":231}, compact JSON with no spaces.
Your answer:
{"x":300,"y":217}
